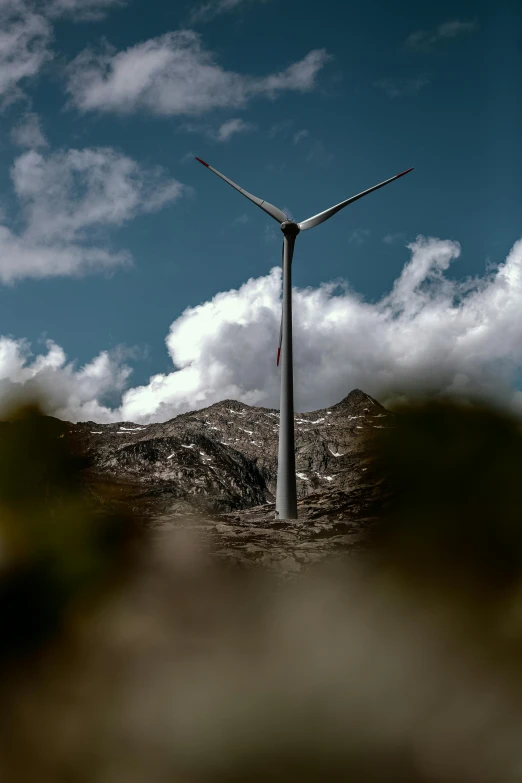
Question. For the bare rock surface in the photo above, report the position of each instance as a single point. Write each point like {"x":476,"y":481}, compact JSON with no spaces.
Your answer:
{"x":213,"y":471}
{"x":226,"y":455}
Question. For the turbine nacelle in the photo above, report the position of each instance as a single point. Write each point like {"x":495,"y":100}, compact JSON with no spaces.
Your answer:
{"x":289,"y":228}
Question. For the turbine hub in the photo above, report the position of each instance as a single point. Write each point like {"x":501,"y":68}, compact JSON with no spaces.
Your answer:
{"x":289,"y":228}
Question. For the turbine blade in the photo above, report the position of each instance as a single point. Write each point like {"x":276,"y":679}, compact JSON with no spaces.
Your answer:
{"x":274,"y":212}
{"x":322,"y":216}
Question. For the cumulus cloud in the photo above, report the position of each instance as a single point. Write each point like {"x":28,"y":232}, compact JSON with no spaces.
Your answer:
{"x":175,"y":75}
{"x":67,"y":392}
{"x":428,"y":334}
{"x":68,"y":194}
{"x":28,"y":133}
{"x":423,"y":39}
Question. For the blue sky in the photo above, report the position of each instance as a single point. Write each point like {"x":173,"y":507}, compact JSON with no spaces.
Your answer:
{"x":109,"y":230}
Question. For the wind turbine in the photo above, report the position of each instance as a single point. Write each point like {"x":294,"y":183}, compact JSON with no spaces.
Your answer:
{"x":286,"y":493}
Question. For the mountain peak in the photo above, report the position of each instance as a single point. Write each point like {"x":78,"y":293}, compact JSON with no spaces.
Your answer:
{"x":357,"y":401}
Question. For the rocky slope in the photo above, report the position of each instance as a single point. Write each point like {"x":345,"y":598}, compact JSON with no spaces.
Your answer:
{"x":224,"y":457}
{"x":214,"y":471}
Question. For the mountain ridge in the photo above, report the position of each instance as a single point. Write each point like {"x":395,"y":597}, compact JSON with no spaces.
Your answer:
{"x":215,"y":470}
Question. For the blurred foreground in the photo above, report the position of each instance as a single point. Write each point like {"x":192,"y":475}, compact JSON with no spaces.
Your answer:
{"x":132,"y":656}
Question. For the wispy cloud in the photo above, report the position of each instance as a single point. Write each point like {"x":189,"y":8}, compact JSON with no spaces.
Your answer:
{"x":25,"y":38}
{"x":271,"y":234}
{"x":28,"y":133}
{"x":301,"y":134}
{"x":397,"y":86}
{"x":70,"y":197}
{"x":359,"y":236}
{"x":174,"y":75}
{"x":81,"y":10}
{"x":423,"y":39}
{"x":317,"y":153}
{"x":280,"y":166}
{"x":209,"y":10}
{"x":241,"y":220}
{"x":429,"y":334}
{"x":390,"y":239}
{"x":231,"y":128}
{"x":281,"y":127}
{"x":312,"y":149}
{"x":222,"y":133}
{"x":26,"y":34}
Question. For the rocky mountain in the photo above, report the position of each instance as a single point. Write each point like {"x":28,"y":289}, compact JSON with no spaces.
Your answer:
{"x":224,"y":458}
{"x":215,"y":470}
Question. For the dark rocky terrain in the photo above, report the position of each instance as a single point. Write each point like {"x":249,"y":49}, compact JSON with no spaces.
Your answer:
{"x":214,"y":470}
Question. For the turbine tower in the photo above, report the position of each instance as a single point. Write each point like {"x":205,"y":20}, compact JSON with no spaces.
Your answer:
{"x":286,"y":493}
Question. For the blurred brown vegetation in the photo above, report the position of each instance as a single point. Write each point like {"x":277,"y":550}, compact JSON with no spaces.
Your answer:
{"x":133,"y":656}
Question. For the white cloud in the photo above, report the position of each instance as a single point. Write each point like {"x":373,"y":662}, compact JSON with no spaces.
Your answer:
{"x":209,"y":10}
{"x":422,"y":39}
{"x":231,"y":127}
{"x":66,"y":197}
{"x":429,"y":334}
{"x":66,"y":392}
{"x":28,"y":133}
{"x":174,"y":75}
{"x":25,"y":36}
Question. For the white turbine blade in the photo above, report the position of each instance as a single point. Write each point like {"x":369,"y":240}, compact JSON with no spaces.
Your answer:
{"x":274,"y":212}
{"x":322,"y":216}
